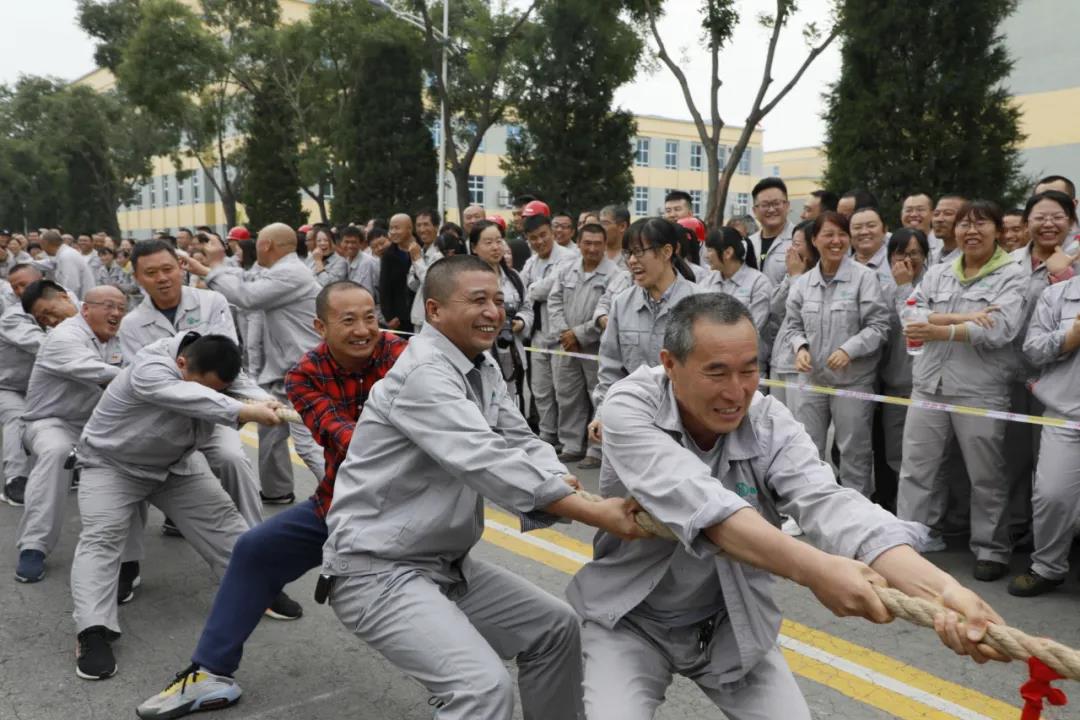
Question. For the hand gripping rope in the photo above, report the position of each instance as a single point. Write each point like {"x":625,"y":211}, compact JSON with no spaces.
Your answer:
{"x":1047,"y":660}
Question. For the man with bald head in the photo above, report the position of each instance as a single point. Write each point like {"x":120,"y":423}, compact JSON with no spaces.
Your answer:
{"x":285,"y":294}
{"x":395,"y":298}
{"x":472,"y":215}
{"x":65,"y":265}
{"x":76,"y":360}
{"x":20,"y":338}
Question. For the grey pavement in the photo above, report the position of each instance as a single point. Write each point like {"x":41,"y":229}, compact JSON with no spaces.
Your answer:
{"x":312,"y":669}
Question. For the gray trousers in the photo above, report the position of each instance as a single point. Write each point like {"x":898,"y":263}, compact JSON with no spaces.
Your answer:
{"x":543,"y":393}
{"x":790,"y":398}
{"x":628,"y":670}
{"x":854,"y":420}
{"x":922,"y":489}
{"x":1056,"y":501}
{"x":275,"y":462}
{"x":16,"y":463}
{"x":50,"y":441}
{"x":893,"y":418}
{"x":110,"y":502}
{"x":575,"y":380}
{"x":453,"y":639}
{"x":225,"y":454}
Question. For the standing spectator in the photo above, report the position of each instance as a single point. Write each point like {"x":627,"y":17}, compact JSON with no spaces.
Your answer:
{"x":818,"y":202}
{"x":943,"y":220}
{"x":20,"y":338}
{"x":395,"y":298}
{"x":562,"y":225}
{"x":422,"y":258}
{"x":868,"y":237}
{"x":1015,"y":235}
{"x":773,"y":239}
{"x":677,"y":204}
{"x":837,"y":326}
{"x":725,"y":251}
{"x":975,"y":305}
{"x":472,"y":215}
{"x":326,"y":264}
{"x":852,"y":200}
{"x":800,"y":257}
{"x":65,"y":265}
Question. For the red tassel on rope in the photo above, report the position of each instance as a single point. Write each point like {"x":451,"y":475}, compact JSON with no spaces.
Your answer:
{"x":1038,"y":687}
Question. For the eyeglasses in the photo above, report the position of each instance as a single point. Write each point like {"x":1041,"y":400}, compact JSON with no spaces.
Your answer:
{"x":770,"y":205}
{"x":561,"y":225}
{"x":110,"y":306}
{"x":1056,"y":219}
{"x":979,"y":224}
{"x":638,"y":253}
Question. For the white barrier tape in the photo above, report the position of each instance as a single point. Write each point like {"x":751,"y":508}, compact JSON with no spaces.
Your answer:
{"x":869,"y":397}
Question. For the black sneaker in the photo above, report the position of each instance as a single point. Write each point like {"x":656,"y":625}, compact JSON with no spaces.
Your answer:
{"x":1031,"y":584}
{"x":286,"y":499}
{"x":31,"y":567}
{"x":989,"y":571}
{"x":284,"y":608}
{"x":75,"y":479}
{"x":129,"y":580}
{"x":168,"y":529}
{"x":14,"y":491}
{"x":94,"y":655}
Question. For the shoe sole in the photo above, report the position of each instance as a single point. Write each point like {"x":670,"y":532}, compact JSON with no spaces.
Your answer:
{"x":278,"y":501}
{"x":29,"y":580}
{"x":171,"y":531}
{"x":199,"y":705}
{"x":9,"y":501}
{"x":283,"y":618}
{"x":86,"y":676}
{"x":126,"y":599}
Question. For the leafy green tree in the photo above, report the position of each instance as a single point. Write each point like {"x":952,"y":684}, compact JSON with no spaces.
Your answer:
{"x":921,"y":104}
{"x":574,"y":150}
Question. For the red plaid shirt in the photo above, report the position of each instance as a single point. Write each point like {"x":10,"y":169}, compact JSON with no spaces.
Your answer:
{"x":330,"y":398}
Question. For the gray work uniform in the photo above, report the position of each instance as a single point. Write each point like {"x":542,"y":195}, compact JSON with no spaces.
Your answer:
{"x":70,"y":269}
{"x":538,"y":275}
{"x":438,"y":435}
{"x":140,"y":446}
{"x":509,"y":345}
{"x":207,"y":313}
{"x":114,"y":275}
{"x":364,"y":271}
{"x":571,"y":304}
{"x":845,"y":313}
{"x":754,"y":290}
{"x":15,"y":259}
{"x":782,"y":357}
{"x":973,"y":373}
{"x":619,"y":282}
{"x":285,"y":293}
{"x":1056,"y":496}
{"x":895,"y":373}
{"x":66,"y":382}
{"x":773,"y":264}
{"x":768,"y":464}
{"x":335,"y":268}
{"x":635,"y":332}
{"x":20,"y":338}
{"x":415,"y":281}
{"x":879,"y":263}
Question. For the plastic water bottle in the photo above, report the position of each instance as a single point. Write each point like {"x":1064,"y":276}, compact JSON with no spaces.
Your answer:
{"x":912,"y":313}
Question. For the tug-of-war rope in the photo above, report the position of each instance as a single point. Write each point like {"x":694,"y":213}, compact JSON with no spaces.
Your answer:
{"x":1047,"y":660}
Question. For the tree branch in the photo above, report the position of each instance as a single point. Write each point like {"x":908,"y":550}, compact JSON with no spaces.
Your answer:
{"x":680,"y":76}
{"x":814,"y":52}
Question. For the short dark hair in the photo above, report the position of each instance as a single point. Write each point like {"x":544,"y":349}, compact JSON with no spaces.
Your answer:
{"x":769,"y":183}
{"x":380,"y":222}
{"x":869,"y":208}
{"x":806,"y":227}
{"x":184,"y":229}
{"x":723,"y":238}
{"x":830,"y":216}
{"x":1012,"y":212}
{"x":431,"y":214}
{"x":149,"y":247}
{"x":828,"y":199}
{"x":352,"y":231}
{"x":215,"y":354}
{"x":1056,"y":196}
{"x":676,"y":195}
{"x":618,"y":213}
{"x":442,"y":275}
{"x":900,"y":239}
{"x":594,"y":228}
{"x":863,"y":198}
{"x":535,"y":222}
{"x":322,"y":300}
{"x":982,"y":210}
{"x":522,"y":200}
{"x":377,"y":232}
{"x":40,"y":290}
{"x":719,"y":308}
{"x":1071,"y":188}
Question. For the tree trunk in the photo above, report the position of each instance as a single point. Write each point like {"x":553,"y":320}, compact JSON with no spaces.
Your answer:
{"x":461,"y":181}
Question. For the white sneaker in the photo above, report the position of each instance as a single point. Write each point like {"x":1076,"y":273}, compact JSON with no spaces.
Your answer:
{"x":790,"y":527}
{"x":934,"y":543}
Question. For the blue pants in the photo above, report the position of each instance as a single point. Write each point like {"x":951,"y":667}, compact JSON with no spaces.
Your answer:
{"x":265,"y":559}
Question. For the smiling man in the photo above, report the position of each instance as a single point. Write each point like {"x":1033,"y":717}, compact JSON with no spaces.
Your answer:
{"x":718,"y":463}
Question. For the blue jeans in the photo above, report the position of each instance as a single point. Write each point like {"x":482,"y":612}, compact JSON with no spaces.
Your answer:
{"x":265,"y":559}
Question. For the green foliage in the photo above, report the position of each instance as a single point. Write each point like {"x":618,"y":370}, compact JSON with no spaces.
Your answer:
{"x":574,"y":151}
{"x":920,"y":104}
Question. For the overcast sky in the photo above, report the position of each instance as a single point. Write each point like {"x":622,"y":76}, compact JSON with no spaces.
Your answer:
{"x":43,"y":38}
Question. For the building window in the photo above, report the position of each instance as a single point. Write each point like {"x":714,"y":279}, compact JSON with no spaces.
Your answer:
{"x":180,"y":191}
{"x":695,"y":202}
{"x":776,"y":171}
{"x":641,"y":157}
{"x":513,"y":132}
{"x":196,"y":191}
{"x":153,"y":195}
{"x":641,"y":199}
{"x":327,"y":190}
{"x":476,"y":189}
{"x":671,"y":154}
{"x":744,"y":162}
{"x":436,"y":132}
{"x":697,"y":156}
{"x":742,"y":204}
{"x":165,"y":190}
{"x":721,"y":155}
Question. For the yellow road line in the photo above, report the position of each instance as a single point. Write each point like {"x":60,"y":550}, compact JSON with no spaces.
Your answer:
{"x":568,"y":554}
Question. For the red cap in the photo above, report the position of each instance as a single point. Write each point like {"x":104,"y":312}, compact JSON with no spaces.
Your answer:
{"x":239,"y":233}
{"x":304,"y":229}
{"x":692,"y":223}
{"x":536,"y":207}
{"x":498,"y":220}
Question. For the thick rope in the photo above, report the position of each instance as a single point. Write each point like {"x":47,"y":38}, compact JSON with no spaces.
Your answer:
{"x":285,"y":413}
{"x":1006,"y":640}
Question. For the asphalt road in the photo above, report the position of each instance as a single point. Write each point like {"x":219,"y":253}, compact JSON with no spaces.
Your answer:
{"x":312,"y":669}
